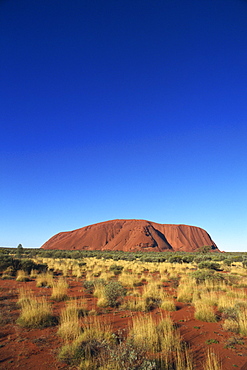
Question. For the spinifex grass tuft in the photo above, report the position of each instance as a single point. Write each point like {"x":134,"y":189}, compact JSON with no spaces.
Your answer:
{"x":44,"y":279}
{"x":24,"y":296}
{"x":185,"y":290}
{"x":212,"y":362}
{"x":135,"y":304}
{"x":59,"y":290}
{"x":144,"y":334}
{"x":35,"y":313}
{"x":69,"y":328}
{"x":242,"y":320}
{"x":168,"y":304}
{"x":204,"y":312}
{"x":86,"y":350}
{"x":150,"y":336}
{"x":183,"y":360}
{"x":22,"y":276}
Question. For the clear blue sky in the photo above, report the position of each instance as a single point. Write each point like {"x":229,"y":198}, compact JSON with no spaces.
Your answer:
{"x":123,"y":109}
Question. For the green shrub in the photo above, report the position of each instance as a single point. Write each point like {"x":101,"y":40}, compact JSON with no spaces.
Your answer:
{"x":202,"y":276}
{"x":28,"y":265}
{"x":126,"y":356}
{"x":113,"y":291}
{"x":188,"y":259}
{"x":209,"y":265}
{"x":175,"y":259}
{"x":90,"y":285}
{"x":117,"y":269}
{"x":230,"y":313}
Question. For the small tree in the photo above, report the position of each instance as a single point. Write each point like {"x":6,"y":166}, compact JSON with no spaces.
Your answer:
{"x":205,"y":249}
{"x":19,"y":250}
{"x":114,"y":291}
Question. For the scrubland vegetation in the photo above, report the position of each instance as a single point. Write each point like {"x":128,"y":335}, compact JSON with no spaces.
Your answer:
{"x":145,"y":288}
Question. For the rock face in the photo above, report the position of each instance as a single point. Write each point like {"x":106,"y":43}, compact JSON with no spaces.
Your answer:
{"x":132,"y":236}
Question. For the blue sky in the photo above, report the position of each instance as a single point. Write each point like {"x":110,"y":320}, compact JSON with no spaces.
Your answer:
{"x":123,"y":109}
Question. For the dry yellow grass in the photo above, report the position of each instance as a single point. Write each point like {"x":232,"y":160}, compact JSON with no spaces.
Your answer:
{"x":24,"y":296}
{"x":168,"y":304}
{"x":183,"y":360}
{"x":144,"y":334}
{"x":22,"y":276}
{"x":231,"y":325}
{"x":35,"y":313}
{"x":185,"y":290}
{"x":242,"y":320}
{"x":136,"y":304}
{"x":204,"y":312}
{"x":212,"y":362}
{"x":129,"y":280}
{"x":59,"y":289}
{"x":33,"y":274}
{"x":44,"y":279}
{"x":69,"y":328}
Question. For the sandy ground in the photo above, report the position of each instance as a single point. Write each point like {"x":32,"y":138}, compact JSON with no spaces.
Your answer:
{"x":36,"y":349}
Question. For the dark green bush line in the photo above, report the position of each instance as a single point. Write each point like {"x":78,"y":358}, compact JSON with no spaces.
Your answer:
{"x":173,"y":257}
{"x":15,"y":264}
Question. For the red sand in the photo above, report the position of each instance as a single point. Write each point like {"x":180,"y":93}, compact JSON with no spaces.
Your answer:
{"x":36,"y":349}
{"x":132,"y":235}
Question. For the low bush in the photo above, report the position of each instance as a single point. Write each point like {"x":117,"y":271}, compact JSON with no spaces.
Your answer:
{"x":202,"y":276}
{"x":125,"y":356}
{"x":90,"y":285}
{"x":117,"y":269}
{"x":28,"y":265}
{"x":175,"y":259}
{"x":114,"y":291}
{"x":209,"y":265}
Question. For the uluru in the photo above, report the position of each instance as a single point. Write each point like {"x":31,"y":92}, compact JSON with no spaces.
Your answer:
{"x":132,"y":236}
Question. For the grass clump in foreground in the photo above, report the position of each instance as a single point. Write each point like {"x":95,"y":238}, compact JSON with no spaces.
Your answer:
{"x":212,"y":362}
{"x":204,"y":312}
{"x":89,"y":349}
{"x":235,"y":318}
{"x":59,"y":289}
{"x":35,"y":313}
{"x":69,"y":328}
{"x":24,"y":296}
{"x":44,"y":280}
{"x":153,"y":346}
{"x":152,"y":336}
{"x":22,"y":276}
{"x":162,"y":340}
